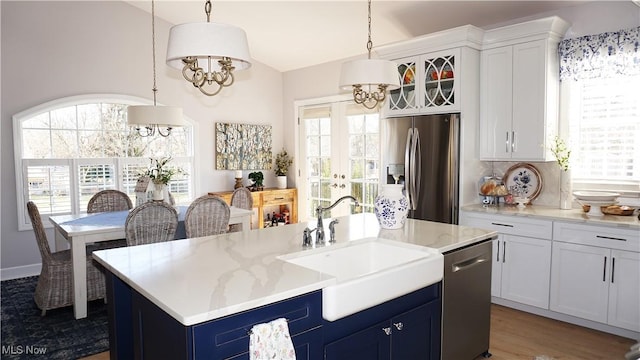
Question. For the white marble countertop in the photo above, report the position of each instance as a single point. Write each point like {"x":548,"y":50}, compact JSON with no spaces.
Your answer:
{"x":551,"y":213}
{"x":201,"y":279}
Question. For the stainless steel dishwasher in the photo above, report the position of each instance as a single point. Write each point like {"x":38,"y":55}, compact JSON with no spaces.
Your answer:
{"x":466,"y":302}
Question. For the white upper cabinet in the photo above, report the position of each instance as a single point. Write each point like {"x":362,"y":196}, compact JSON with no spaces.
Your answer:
{"x":428,"y":84}
{"x":519,"y":90}
{"x":432,"y":71}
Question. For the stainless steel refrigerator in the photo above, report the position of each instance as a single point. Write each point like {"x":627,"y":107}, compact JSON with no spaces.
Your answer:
{"x":423,"y":153}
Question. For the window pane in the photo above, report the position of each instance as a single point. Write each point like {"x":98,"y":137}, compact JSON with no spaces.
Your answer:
{"x":49,"y":188}
{"x":89,"y":116}
{"x":94,"y":178}
{"x":36,"y":144}
{"x":37,"y":122}
{"x":64,"y":144}
{"x":64,"y":118}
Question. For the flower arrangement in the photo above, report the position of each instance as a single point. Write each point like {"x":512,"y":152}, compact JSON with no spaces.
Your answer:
{"x":159,"y":172}
{"x":561,"y":152}
{"x":282,"y":163}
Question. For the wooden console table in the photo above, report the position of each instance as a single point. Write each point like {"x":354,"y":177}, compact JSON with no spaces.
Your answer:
{"x":269,"y":197}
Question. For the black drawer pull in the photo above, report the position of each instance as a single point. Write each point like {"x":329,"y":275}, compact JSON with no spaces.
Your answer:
{"x":498,"y":224}
{"x":610,"y":238}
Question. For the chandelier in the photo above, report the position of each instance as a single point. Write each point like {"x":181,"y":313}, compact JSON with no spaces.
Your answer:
{"x":370,"y":78}
{"x":149,"y":119}
{"x":208,"y":53}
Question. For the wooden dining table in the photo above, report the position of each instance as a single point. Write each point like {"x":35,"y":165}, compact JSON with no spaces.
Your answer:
{"x":76,"y":231}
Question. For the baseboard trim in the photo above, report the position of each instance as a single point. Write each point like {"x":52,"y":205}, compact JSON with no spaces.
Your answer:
{"x":20,"y":272}
{"x":567,"y":318}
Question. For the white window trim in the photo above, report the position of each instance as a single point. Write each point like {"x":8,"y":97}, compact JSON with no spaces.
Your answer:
{"x":22,"y":193}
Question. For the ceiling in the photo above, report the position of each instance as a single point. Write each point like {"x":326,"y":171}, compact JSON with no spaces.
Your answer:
{"x":293,"y":34}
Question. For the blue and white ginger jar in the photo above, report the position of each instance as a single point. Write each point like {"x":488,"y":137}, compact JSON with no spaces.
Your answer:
{"x":391,"y":207}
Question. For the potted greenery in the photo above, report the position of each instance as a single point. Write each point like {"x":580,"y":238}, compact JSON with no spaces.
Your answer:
{"x":160,"y":174}
{"x":282,"y":163}
{"x":257,"y":177}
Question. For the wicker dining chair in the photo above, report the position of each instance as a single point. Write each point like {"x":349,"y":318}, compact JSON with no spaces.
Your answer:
{"x":207,"y":215}
{"x":55,"y":283}
{"x":242,"y":199}
{"x":151,"y":222}
{"x":109,"y":200}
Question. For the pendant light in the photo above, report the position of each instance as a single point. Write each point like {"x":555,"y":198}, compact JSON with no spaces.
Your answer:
{"x":371,"y":78}
{"x":149,"y":119}
{"x":208,"y":53}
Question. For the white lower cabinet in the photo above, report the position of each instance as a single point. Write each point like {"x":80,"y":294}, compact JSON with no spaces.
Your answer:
{"x":599,"y":283}
{"x":521,"y":269}
{"x":521,"y":259}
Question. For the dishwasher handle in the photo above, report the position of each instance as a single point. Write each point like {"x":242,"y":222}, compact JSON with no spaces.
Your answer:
{"x":464,"y":265}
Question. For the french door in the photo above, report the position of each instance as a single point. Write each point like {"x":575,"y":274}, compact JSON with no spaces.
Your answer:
{"x":340,"y":149}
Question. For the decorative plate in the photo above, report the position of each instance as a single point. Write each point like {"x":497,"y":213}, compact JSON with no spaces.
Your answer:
{"x":525,"y":179}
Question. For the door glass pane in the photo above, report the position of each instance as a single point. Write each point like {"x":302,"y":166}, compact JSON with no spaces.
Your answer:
{"x":318,"y":162}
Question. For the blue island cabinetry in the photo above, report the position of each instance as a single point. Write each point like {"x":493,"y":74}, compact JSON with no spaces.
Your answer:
{"x":403,"y":328}
{"x":138,"y":329}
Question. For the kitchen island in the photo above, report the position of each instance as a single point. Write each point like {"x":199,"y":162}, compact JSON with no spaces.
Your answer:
{"x":194,"y":282}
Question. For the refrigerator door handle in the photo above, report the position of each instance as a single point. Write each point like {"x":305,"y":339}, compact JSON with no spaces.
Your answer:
{"x":417,"y":167}
{"x":408,"y":163}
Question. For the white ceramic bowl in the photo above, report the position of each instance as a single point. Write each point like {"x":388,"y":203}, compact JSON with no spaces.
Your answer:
{"x":595,"y":196}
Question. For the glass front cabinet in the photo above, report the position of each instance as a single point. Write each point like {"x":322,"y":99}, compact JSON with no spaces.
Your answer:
{"x":428,"y":84}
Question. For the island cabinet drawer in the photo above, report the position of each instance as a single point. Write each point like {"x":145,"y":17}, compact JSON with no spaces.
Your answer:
{"x":511,"y":225}
{"x":228,"y":337}
{"x":602,"y":236}
{"x":276,"y":197}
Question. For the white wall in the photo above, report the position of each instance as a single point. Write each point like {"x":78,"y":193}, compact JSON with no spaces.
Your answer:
{"x":57,"y":49}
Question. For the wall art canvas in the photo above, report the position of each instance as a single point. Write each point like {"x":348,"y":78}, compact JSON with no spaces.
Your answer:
{"x":243,"y":147}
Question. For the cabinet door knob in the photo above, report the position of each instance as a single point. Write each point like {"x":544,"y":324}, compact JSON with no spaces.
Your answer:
{"x":398,"y":326}
{"x":387,"y":330}
{"x":335,"y":185}
{"x":342,"y":186}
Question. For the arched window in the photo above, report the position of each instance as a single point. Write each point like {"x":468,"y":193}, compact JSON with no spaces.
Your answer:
{"x":68,"y":149}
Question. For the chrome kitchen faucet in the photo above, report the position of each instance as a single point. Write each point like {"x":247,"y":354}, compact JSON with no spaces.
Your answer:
{"x":306,"y":238}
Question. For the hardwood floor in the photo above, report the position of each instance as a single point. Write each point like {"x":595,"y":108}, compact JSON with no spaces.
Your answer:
{"x":519,"y":335}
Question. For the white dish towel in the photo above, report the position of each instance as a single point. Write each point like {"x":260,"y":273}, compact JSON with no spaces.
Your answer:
{"x":271,"y":341}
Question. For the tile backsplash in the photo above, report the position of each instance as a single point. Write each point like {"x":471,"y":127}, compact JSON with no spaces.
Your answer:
{"x":549,"y":173}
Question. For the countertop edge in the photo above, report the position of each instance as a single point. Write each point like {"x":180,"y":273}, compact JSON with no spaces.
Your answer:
{"x":554,"y":214}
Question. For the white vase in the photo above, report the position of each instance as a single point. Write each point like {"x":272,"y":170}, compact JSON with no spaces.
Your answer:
{"x":391,"y":207}
{"x":281,"y":181}
{"x":566,"y":198}
{"x":158,"y":191}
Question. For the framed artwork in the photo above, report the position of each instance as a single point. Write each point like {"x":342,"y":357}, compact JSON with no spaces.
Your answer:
{"x":243,"y":147}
